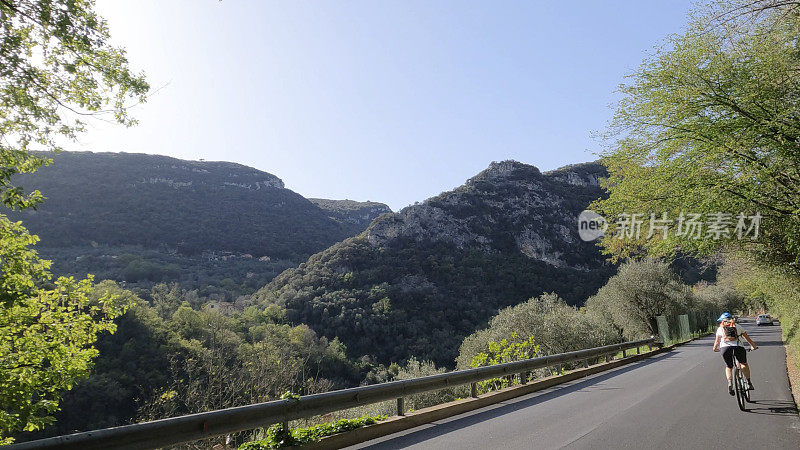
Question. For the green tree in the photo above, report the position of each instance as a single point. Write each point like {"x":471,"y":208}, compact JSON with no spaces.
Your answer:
{"x":47,"y":334}
{"x":555,"y":327}
{"x":639,"y":292}
{"x":56,"y":69}
{"x":711,"y":123}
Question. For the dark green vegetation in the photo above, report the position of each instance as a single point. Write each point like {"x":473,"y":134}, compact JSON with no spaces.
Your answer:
{"x":277,"y":437}
{"x":554,"y":327}
{"x":172,"y":356}
{"x":416,"y":282}
{"x":215,"y":226}
{"x":215,"y":278}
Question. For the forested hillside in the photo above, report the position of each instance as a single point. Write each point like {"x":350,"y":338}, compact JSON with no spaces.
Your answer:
{"x":417,"y":281}
{"x":144,"y":219}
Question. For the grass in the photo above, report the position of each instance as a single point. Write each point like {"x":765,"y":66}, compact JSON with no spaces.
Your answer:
{"x":790,"y":322}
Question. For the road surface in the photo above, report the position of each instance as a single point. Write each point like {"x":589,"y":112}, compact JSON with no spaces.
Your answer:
{"x":678,"y":399}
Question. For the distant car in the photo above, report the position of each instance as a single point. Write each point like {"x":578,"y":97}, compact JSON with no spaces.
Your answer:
{"x":764,"y":319}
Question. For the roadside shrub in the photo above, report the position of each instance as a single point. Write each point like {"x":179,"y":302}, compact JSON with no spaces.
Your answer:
{"x":554,"y":326}
{"x":277,"y":436}
{"x":502,"y":352}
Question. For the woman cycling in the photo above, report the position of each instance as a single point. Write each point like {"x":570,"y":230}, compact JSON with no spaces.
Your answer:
{"x":727,"y":340}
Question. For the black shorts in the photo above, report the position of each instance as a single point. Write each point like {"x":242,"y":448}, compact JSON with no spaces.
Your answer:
{"x":728,"y":352}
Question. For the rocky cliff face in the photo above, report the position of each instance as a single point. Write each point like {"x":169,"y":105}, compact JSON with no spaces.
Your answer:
{"x":585,"y":175}
{"x":416,"y":281}
{"x":351,"y":211}
{"x":509,"y":201}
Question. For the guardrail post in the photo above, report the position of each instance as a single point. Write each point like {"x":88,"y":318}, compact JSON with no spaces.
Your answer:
{"x":638,"y":350}
{"x":523,"y":377}
{"x":473,"y":390}
{"x":401,"y":406}
{"x":586,"y":363}
{"x":558,"y":369}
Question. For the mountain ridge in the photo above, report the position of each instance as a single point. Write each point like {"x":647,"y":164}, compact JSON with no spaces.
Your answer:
{"x":190,"y":206}
{"x":437,"y":270}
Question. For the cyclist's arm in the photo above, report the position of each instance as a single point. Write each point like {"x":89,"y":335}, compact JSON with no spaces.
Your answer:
{"x":749,"y":341}
{"x":716,"y":343}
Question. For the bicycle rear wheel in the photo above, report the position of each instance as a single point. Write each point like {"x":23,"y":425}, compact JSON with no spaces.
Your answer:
{"x":739,"y":387}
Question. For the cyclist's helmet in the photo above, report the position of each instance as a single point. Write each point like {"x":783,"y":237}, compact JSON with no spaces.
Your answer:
{"x":724,"y":316}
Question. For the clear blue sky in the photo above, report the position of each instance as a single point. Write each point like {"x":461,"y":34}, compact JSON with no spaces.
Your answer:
{"x":391,"y":101}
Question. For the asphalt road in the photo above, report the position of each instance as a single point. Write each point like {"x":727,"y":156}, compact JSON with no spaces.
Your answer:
{"x":678,"y":399}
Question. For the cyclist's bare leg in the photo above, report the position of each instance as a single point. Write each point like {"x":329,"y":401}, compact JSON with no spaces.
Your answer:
{"x":728,"y":373}
{"x":745,"y":370}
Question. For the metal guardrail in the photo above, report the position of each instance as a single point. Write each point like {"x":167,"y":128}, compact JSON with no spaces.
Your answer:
{"x":193,"y":427}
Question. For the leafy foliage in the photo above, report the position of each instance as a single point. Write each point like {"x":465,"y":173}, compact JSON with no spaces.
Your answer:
{"x":415,"y":368}
{"x":506,"y":350}
{"x":130,"y":368}
{"x":724,"y":297}
{"x":710,"y":123}
{"x":46,"y":343}
{"x":553,"y":325}
{"x":56,"y":66}
{"x":278,"y":437}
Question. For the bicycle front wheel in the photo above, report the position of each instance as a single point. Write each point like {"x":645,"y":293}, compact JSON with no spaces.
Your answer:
{"x":746,"y":392}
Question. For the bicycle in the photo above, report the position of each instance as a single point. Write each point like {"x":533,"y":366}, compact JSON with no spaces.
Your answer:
{"x":740,"y":385}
